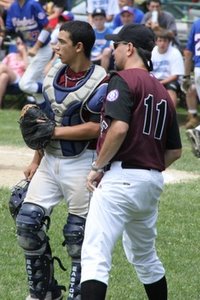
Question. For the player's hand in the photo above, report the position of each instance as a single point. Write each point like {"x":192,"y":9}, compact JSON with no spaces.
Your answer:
{"x":30,"y":171}
{"x":93,"y":180}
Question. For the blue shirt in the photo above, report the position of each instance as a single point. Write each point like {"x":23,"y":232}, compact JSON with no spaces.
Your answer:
{"x":29,"y":19}
{"x":100,"y":42}
{"x":137,"y":18}
{"x":193,"y":43}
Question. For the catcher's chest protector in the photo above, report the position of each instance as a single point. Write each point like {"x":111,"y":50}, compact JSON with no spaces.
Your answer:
{"x":64,"y":98}
{"x":66,"y":105}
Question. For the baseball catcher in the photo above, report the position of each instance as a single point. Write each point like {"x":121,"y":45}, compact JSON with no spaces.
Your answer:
{"x":36,"y":128}
{"x":73,"y":94}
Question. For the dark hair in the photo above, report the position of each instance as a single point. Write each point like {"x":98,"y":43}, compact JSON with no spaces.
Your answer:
{"x":19,"y":34}
{"x":80,"y":31}
{"x":165,"y":34}
{"x":157,"y":1}
{"x":146,"y":57}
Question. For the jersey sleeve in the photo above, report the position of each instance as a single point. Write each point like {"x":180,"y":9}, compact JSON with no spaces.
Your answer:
{"x":40,"y":15}
{"x":119,"y":101}
{"x":9,"y":24}
{"x":174,"y":139}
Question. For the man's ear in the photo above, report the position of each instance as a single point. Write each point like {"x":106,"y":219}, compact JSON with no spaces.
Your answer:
{"x":79,"y":47}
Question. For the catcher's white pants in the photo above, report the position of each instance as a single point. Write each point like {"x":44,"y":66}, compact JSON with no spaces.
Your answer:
{"x":125,"y":202}
{"x":57,"y":178}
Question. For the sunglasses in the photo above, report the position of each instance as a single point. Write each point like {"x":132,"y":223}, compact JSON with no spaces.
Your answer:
{"x":116,"y":44}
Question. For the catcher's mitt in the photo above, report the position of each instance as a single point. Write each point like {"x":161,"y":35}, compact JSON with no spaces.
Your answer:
{"x":36,"y":128}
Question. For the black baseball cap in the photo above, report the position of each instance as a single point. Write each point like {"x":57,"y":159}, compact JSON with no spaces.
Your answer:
{"x":98,"y":12}
{"x":137,"y":34}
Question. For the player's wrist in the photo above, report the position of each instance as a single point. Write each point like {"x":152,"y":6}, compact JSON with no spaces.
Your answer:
{"x":95,"y":168}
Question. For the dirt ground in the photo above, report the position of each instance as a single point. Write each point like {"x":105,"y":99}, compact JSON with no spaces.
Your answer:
{"x":12,"y":163}
{"x":13,"y":160}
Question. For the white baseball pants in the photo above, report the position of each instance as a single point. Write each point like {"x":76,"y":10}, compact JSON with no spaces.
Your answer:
{"x":57,"y":178}
{"x":125,"y":202}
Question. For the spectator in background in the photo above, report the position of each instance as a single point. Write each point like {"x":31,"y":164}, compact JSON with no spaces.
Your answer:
{"x":137,"y":17}
{"x":57,"y":9}
{"x":127,"y":17}
{"x":13,"y":67}
{"x":99,"y":20}
{"x":142,"y":5}
{"x":168,"y":64}
{"x":192,"y":103}
{"x":31,"y":20}
{"x":65,"y":16}
{"x":158,"y":19}
{"x":110,"y":6}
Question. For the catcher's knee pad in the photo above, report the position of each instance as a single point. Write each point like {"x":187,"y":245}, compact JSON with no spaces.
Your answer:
{"x":30,"y":224}
{"x":73,"y":233}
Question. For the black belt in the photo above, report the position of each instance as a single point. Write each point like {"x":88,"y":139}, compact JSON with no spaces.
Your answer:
{"x":126,"y":165}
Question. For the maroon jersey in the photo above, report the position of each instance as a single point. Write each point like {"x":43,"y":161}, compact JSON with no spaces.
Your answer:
{"x":135,"y":96}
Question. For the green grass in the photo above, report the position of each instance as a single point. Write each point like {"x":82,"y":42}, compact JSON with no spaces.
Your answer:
{"x":10,"y":133}
{"x":177,"y":242}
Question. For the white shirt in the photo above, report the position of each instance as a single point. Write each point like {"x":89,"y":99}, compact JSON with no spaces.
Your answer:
{"x":111,"y":7}
{"x":168,"y":63}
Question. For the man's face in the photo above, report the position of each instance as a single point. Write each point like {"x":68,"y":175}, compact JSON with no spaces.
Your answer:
{"x":120,"y":50}
{"x":154,"y":6}
{"x":126,"y":18}
{"x":65,"y":49}
{"x":163,"y":44}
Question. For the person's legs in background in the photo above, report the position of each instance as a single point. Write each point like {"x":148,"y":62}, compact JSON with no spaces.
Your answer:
{"x":7,"y":76}
{"x":32,"y":80}
{"x":192,"y":103}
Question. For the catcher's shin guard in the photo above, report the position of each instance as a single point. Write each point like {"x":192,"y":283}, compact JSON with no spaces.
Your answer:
{"x":73,"y":233}
{"x":41,"y":281}
{"x":40,"y":274}
{"x":74,"y":285}
{"x":32,"y":238}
